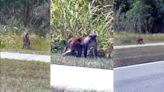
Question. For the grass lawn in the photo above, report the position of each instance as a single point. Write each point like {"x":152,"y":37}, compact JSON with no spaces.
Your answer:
{"x":23,"y":76}
{"x":125,"y":38}
{"x":13,"y":43}
{"x":103,"y":63}
{"x":138,"y":55}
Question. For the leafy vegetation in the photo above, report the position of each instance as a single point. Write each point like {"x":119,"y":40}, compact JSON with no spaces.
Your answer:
{"x":33,"y":14}
{"x":141,"y":16}
{"x":13,"y":42}
{"x":19,"y":16}
{"x":80,"y":18}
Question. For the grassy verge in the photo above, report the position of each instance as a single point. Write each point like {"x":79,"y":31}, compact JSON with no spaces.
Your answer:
{"x":138,"y":55}
{"x":125,"y":38}
{"x":71,"y":90}
{"x":13,"y":42}
{"x":103,"y":63}
{"x":20,"y":76}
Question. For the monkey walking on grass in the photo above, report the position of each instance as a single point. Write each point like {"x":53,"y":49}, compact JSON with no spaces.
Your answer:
{"x":140,"y":41}
{"x":77,"y":45}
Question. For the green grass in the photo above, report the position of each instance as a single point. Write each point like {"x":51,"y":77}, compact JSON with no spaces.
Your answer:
{"x":56,"y":89}
{"x":125,"y":38}
{"x":23,"y":76}
{"x":14,"y":43}
{"x":139,"y":55}
{"x":103,"y":63}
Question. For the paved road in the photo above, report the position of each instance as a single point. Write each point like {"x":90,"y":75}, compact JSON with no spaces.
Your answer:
{"x":137,"y":78}
{"x":27,"y":57}
{"x":76,"y":78}
{"x":140,"y":78}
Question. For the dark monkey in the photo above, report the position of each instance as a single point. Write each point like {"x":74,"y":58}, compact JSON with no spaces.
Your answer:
{"x":140,"y":41}
{"x":26,"y":40}
{"x":75,"y":46}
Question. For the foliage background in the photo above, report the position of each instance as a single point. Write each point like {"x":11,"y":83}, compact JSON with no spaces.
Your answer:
{"x":139,"y":16}
{"x":33,"y":14}
{"x":18,"y":16}
{"x":80,"y":18}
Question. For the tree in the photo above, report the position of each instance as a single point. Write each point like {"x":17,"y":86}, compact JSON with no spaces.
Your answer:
{"x":142,"y":16}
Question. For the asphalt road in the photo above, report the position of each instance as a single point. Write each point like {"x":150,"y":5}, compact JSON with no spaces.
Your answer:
{"x":147,"y":77}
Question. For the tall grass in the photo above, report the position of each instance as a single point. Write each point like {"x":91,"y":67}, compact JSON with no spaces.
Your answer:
{"x":80,"y":18}
{"x":11,"y":36}
{"x":13,"y":42}
{"x":125,"y":38}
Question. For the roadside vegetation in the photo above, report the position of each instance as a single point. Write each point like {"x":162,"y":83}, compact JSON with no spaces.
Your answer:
{"x":102,"y":63}
{"x":81,"y":18}
{"x":17,"y":17}
{"x":13,"y":42}
{"x":139,"y":16}
{"x":138,"y":55}
{"x":134,"y":19}
{"x":126,"y":38}
{"x":56,"y":89}
{"x":23,"y":76}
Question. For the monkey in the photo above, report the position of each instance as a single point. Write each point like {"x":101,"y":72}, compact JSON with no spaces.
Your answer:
{"x":140,"y":41}
{"x":26,"y":40}
{"x":88,"y":42}
{"x":75,"y":46}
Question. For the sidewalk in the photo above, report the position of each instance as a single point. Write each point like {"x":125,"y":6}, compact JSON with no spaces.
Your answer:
{"x":80,"y":78}
{"x":27,"y":57}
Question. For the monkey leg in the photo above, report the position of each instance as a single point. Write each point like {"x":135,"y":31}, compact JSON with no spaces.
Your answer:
{"x":28,"y":45}
{"x":79,"y":52}
{"x":85,"y":51}
{"x":95,"y":52}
